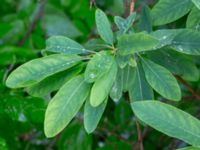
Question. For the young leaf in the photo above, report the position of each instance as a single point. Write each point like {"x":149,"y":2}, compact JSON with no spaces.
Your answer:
{"x":145,"y":22}
{"x":167,"y":11}
{"x":102,"y":86}
{"x":98,"y":66}
{"x":193,"y":20}
{"x":103,"y":26}
{"x":187,"y":42}
{"x":36,"y":70}
{"x":117,"y":88}
{"x":65,"y":105}
{"x":61,"y":44}
{"x":196,"y":3}
{"x":169,"y":120}
{"x":140,"y":89}
{"x":137,"y":42}
{"x":161,"y":80}
{"x":92,"y":115}
{"x":53,"y":82}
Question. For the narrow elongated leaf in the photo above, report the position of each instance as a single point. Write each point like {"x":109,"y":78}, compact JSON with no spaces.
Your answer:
{"x":145,"y":22}
{"x":103,"y":26}
{"x":102,"y":86}
{"x":140,"y":89}
{"x":61,"y":44}
{"x":187,"y":42}
{"x":65,"y":105}
{"x":92,"y":115}
{"x":136,"y":42}
{"x":193,"y":20}
{"x":165,"y":36}
{"x":125,"y":24}
{"x":161,"y":80}
{"x":169,"y":120}
{"x":176,"y":63}
{"x":53,"y":82}
{"x":117,"y":88}
{"x":189,"y":148}
{"x":98,"y":66}
{"x":36,"y":70}
{"x":196,"y":3}
{"x":128,"y":76}
{"x":166,"y":11}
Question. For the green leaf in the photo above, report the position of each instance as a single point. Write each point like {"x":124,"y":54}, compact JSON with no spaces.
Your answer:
{"x":65,"y":105}
{"x":125,"y":24}
{"x":36,"y":70}
{"x":136,"y":42}
{"x":176,"y":63}
{"x":189,"y":148}
{"x":169,"y":120}
{"x":53,"y":82}
{"x":117,"y":88}
{"x":196,"y":3}
{"x":57,"y":23}
{"x":92,"y":115}
{"x":98,"y":66}
{"x":161,"y":80}
{"x":187,"y":42}
{"x":145,"y":22}
{"x":128,"y":75}
{"x":167,"y":11}
{"x":61,"y":44}
{"x":102,"y":86}
{"x":140,"y":89}
{"x":165,"y":36}
{"x":103,"y":26}
{"x":193,"y":20}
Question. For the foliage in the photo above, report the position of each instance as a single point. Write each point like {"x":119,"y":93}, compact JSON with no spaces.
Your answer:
{"x":130,"y":74}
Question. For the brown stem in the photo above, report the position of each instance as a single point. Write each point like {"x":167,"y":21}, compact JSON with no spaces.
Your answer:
{"x":132,"y":6}
{"x":53,"y":142}
{"x":140,"y":136}
{"x":92,"y":3}
{"x":34,"y":21}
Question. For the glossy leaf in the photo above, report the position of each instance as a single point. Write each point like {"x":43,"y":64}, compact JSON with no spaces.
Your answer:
{"x":98,"y":66}
{"x":65,"y":105}
{"x":140,"y":89}
{"x":187,"y":42}
{"x":128,"y":75}
{"x":136,"y":42}
{"x":53,"y":82}
{"x":102,"y":86}
{"x":145,"y":21}
{"x":103,"y":26}
{"x":167,"y":11}
{"x":189,"y":148}
{"x":117,"y":88}
{"x":169,"y":120}
{"x":36,"y":70}
{"x":161,"y":80}
{"x":196,"y":3}
{"x":193,"y":20}
{"x":61,"y":44}
{"x":92,"y":115}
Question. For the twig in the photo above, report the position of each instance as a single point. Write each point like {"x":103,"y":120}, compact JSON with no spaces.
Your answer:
{"x":194,"y":94}
{"x":132,"y":6}
{"x":53,"y":142}
{"x":140,"y":136}
{"x":92,"y":2}
{"x":34,"y":21}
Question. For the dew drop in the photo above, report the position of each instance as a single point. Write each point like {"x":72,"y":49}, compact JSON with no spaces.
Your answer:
{"x":92,"y":75}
